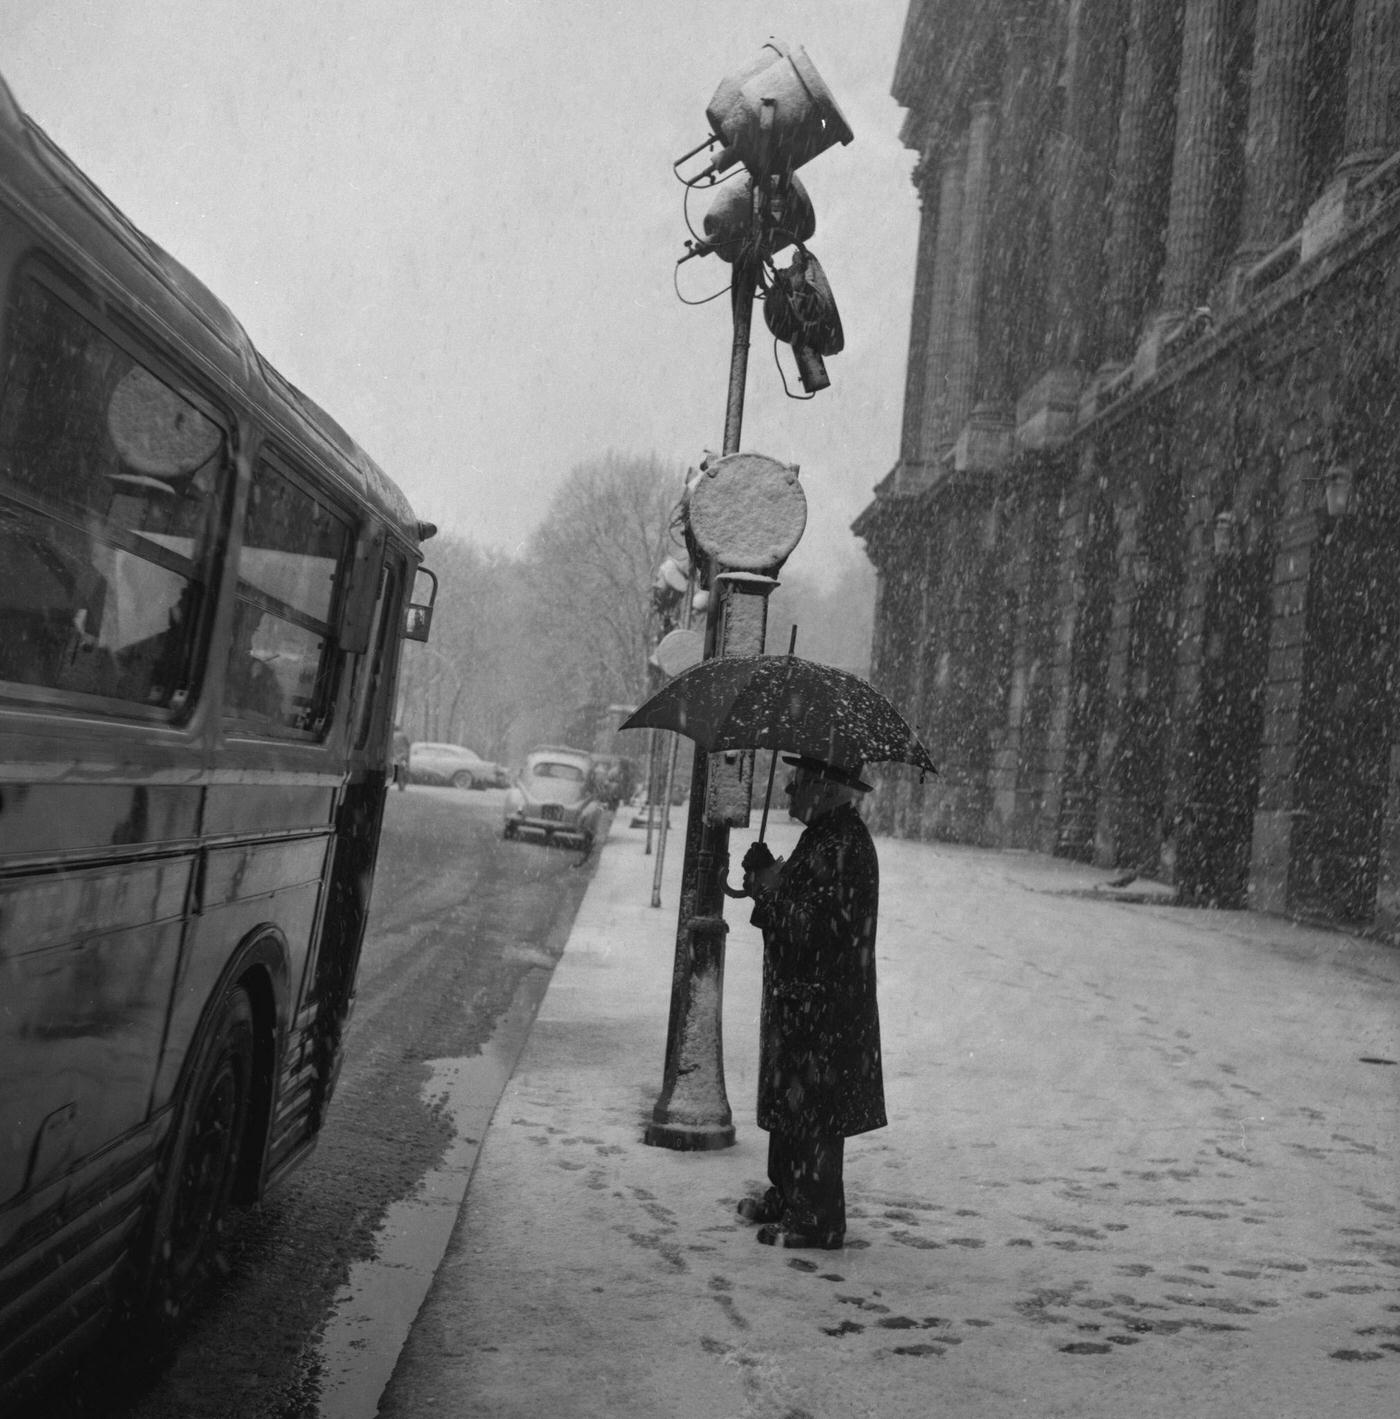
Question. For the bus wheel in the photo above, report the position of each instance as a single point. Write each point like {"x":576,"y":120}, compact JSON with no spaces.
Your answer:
{"x":190,"y":1215}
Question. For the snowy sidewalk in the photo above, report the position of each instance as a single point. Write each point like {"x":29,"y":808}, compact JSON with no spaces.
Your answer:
{"x":1138,"y":1164}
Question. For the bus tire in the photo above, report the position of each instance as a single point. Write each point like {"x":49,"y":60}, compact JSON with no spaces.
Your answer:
{"x":190,"y":1215}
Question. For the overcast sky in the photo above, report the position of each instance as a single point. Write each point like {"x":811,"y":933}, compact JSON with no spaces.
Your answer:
{"x":454,"y":223}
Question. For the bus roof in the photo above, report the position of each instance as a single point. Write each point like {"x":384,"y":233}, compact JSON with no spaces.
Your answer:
{"x":102,"y":242}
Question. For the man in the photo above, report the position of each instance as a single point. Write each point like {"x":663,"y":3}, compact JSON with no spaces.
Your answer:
{"x":819,"y":1078}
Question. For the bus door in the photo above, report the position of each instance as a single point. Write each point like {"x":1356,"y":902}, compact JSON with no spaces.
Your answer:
{"x":358,"y":825}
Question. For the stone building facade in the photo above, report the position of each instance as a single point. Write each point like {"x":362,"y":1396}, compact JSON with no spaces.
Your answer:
{"x":1139,"y":559}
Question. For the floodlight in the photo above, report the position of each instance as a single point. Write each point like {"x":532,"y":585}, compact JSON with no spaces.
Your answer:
{"x":798,"y":307}
{"x":786,"y":217}
{"x":773,"y":114}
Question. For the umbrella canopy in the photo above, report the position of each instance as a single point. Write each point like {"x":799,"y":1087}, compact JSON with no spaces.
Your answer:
{"x":786,"y":703}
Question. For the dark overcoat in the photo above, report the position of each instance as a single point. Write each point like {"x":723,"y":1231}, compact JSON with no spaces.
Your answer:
{"x":819,"y":1030}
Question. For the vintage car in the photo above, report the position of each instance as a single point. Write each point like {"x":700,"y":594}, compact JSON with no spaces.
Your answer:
{"x":453,"y":764}
{"x":554,"y":798}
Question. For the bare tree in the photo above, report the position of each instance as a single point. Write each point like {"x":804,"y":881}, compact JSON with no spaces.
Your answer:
{"x":591,"y":562}
{"x":528,"y":649}
{"x":471,"y":684}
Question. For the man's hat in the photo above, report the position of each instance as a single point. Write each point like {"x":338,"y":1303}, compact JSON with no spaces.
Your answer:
{"x":833,"y":773}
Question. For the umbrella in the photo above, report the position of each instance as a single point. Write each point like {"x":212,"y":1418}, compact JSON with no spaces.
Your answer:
{"x":785,"y":703}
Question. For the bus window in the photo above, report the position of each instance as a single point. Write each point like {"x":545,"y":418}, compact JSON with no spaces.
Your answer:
{"x":107,"y":490}
{"x":280,"y":676}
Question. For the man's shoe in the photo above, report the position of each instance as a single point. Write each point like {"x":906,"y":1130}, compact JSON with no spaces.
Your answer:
{"x":775,"y":1236}
{"x":760,"y":1209}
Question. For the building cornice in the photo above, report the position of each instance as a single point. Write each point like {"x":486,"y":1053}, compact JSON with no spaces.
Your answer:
{"x":943,"y":64}
{"x":1298,"y":283}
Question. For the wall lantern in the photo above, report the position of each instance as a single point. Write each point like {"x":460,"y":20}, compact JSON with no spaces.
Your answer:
{"x":1339,"y":490}
{"x":1225,"y":535}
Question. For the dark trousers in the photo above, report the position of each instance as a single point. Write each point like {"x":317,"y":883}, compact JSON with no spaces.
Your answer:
{"x":806,"y":1177}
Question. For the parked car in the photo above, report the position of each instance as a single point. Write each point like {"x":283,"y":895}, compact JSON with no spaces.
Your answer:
{"x":454,"y":764}
{"x":554,"y":798}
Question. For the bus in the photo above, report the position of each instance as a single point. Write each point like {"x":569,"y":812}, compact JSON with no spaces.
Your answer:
{"x":204,"y":589}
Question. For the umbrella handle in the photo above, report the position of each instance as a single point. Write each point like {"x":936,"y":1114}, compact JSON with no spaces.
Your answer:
{"x":767,"y":797}
{"x":773,"y":758}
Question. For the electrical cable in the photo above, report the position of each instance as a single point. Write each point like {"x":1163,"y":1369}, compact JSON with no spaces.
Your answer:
{"x":705,"y":300}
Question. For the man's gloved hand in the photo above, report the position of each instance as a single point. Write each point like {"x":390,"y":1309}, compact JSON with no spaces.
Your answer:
{"x":757,"y":858}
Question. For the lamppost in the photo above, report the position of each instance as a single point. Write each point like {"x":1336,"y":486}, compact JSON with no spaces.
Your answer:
{"x":744,"y":515}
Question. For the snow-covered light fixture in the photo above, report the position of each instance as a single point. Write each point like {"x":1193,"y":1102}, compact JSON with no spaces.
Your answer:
{"x":773,"y":114}
{"x":1226,"y":532}
{"x":800,"y":308}
{"x":1339,"y":490}
{"x":732,"y":229}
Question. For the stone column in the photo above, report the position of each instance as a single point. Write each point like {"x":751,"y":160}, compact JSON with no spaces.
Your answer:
{"x":937,"y":435}
{"x":1371,"y":132}
{"x":1370,"y":129}
{"x":1194,"y":218}
{"x":912,"y":474}
{"x":1080,"y":159}
{"x":972,"y":238}
{"x":908,"y":794}
{"x":880,"y":632}
{"x":1012,"y":194}
{"x":1275,"y":150}
{"x":1271,"y":844}
{"x":1138,"y":201}
{"x":1077,"y":215}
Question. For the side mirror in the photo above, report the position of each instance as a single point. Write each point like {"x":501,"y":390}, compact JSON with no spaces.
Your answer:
{"x":418,"y":615}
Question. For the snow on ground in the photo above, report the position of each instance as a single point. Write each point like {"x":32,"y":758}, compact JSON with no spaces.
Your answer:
{"x":1136,"y":1165}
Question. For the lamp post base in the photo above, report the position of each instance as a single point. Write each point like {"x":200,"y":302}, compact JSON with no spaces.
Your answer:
{"x":689,"y":1137}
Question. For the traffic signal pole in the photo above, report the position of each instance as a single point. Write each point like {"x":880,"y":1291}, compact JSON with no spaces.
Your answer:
{"x":744,"y":515}
{"x":692,"y":1111}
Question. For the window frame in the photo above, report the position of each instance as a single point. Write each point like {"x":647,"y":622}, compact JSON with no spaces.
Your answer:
{"x":274,"y":456}
{"x":123,"y":331}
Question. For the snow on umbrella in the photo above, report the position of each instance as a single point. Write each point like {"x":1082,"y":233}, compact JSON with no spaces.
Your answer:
{"x":785,"y":703}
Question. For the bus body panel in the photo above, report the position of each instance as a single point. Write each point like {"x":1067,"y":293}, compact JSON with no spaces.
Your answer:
{"x":83,"y":1024}
{"x":243,"y":808}
{"x":163,"y":841}
{"x":59,"y":1285}
{"x":285,"y":914}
